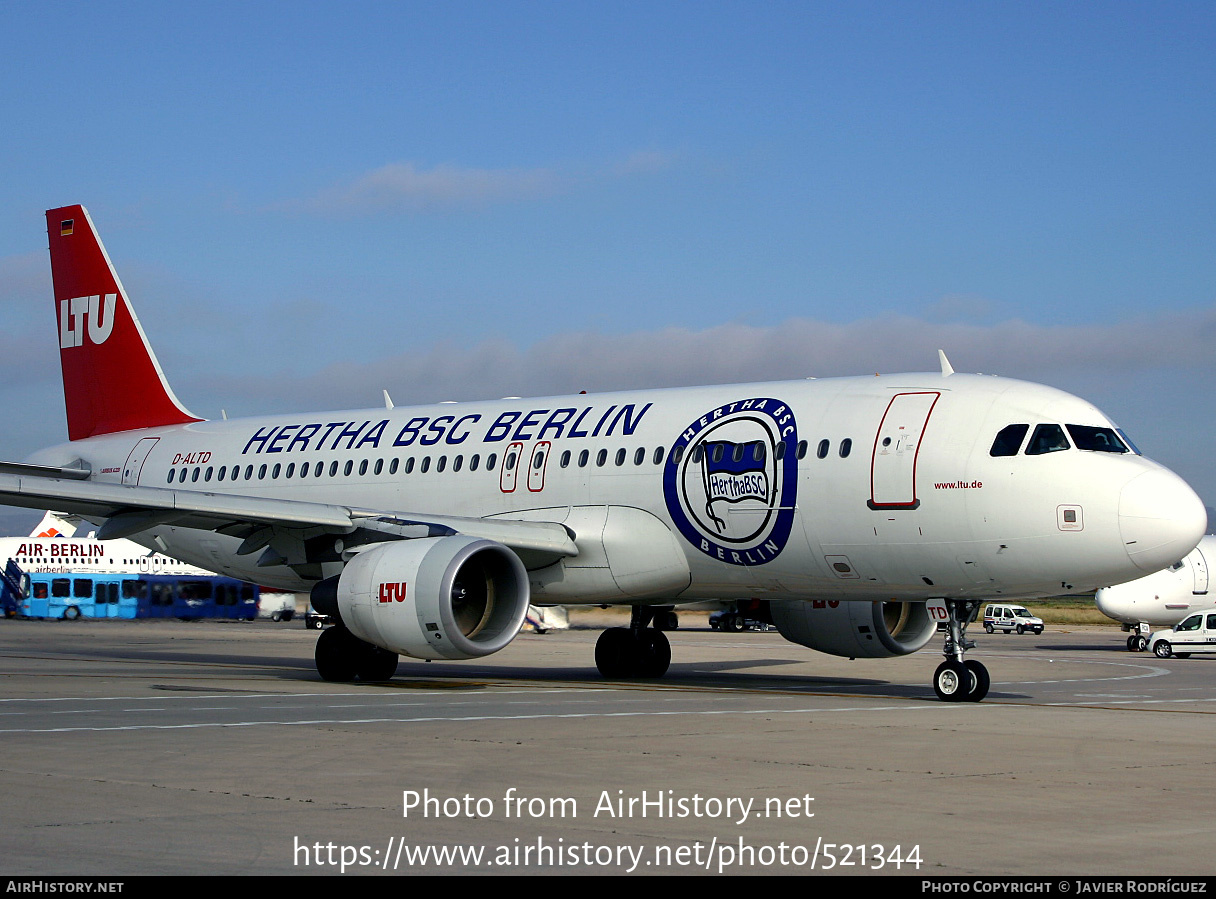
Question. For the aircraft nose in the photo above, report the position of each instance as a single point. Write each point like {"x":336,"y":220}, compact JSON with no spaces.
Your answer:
{"x":1114,"y":602}
{"x":1160,"y":518}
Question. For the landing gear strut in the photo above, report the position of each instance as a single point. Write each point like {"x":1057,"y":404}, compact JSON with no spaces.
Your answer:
{"x":635,"y":651}
{"x":341,"y":656}
{"x":957,"y":680}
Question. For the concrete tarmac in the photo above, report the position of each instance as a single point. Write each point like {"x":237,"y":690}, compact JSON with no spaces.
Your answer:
{"x":146,"y":747}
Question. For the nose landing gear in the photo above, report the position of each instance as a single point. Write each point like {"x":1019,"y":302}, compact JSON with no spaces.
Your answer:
{"x":956,"y":679}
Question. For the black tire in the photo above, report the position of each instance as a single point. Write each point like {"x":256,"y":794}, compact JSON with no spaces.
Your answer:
{"x":653,"y":653}
{"x":988,"y":628}
{"x":614,"y":652}
{"x":733,"y":623}
{"x":1141,"y":643}
{"x":952,"y":681}
{"x":337,"y":655}
{"x":1133,"y":643}
{"x":621,"y":652}
{"x":980,"y":680}
{"x":1021,"y":630}
{"x":376,"y":664}
{"x":666,"y":621}
{"x":1163,"y":650}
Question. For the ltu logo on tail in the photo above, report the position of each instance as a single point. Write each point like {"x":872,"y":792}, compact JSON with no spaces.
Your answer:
{"x":80,"y":312}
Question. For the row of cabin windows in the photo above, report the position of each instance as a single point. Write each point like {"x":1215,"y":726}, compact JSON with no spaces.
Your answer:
{"x":755,"y":451}
{"x":165,"y":562}
{"x":318,"y":469}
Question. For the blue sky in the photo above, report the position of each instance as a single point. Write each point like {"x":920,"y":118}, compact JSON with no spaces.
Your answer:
{"x":311,"y":202}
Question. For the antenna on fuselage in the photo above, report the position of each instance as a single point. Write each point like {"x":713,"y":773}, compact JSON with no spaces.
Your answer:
{"x":947,"y":368}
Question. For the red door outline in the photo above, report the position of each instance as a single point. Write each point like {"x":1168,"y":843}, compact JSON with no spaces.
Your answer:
{"x":897,"y":450}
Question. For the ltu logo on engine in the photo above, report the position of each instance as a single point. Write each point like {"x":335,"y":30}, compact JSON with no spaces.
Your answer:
{"x":94,"y":313}
{"x":394,"y":592}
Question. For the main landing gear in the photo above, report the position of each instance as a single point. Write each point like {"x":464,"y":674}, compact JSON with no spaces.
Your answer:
{"x":635,"y":651}
{"x":957,"y":680}
{"x":341,"y":656}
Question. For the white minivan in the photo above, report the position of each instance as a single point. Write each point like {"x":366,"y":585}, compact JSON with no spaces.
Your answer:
{"x":1194,"y":633}
{"x":1011,"y":618}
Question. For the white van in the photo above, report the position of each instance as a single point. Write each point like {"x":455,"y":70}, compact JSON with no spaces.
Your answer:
{"x":1194,"y":633}
{"x":1011,"y":618}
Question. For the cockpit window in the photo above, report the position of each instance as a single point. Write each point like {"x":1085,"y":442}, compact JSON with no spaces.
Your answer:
{"x":1101,"y":440}
{"x":1009,"y":440}
{"x":1128,"y":441}
{"x":1047,"y":439}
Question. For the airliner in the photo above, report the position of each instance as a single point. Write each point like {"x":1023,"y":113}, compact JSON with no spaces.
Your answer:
{"x":1163,"y":598}
{"x":53,"y":548}
{"x":864,"y":510}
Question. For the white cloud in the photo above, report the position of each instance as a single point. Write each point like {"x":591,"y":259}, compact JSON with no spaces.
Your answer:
{"x":642,"y":162}
{"x":403,"y":187}
{"x":734,"y":352}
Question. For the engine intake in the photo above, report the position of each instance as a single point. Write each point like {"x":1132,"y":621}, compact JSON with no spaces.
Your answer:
{"x":438,"y":598}
{"x":865,"y":630}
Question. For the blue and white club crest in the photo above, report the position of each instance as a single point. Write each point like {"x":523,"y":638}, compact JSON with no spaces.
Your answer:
{"x":731,"y":485}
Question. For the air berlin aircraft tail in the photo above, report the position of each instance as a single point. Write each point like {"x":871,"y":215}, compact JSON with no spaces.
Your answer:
{"x":111,"y":379}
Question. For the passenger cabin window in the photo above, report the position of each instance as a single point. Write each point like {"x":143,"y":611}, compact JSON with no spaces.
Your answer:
{"x":1009,"y":440}
{"x":1047,"y":439}
{"x":1099,"y":440}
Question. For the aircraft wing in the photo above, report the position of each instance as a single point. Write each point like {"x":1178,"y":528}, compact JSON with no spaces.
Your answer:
{"x":130,"y":509}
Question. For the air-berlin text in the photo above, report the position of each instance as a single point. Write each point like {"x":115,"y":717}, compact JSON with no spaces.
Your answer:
{"x":62,"y":550}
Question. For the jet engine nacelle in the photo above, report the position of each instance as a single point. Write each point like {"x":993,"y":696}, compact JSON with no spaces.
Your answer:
{"x":855,"y":630}
{"x":437,"y":598}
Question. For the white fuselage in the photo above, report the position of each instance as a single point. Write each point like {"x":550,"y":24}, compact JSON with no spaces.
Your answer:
{"x":871,"y":488}
{"x":88,"y":555}
{"x":1164,"y":597}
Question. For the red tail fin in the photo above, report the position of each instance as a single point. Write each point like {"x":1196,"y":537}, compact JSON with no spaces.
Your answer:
{"x":111,"y":379}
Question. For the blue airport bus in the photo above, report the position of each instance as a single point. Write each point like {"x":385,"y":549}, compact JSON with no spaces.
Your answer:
{"x":131,"y":595}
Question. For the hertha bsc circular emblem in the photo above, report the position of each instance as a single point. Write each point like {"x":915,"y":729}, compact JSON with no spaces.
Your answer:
{"x":731,"y":485}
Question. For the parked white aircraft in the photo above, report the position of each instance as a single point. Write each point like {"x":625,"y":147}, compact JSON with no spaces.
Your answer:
{"x":1160,"y":599}
{"x":52,"y":547}
{"x":863,"y":508}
